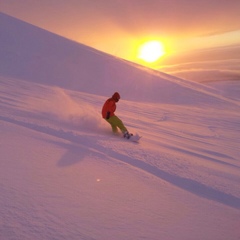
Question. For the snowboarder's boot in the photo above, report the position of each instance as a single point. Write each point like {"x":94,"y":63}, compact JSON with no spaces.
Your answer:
{"x":127,"y":135}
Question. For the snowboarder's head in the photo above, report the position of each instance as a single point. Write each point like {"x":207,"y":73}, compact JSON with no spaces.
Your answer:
{"x":116,"y":96}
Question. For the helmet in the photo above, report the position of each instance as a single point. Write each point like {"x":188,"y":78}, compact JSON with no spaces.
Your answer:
{"x":116,"y":96}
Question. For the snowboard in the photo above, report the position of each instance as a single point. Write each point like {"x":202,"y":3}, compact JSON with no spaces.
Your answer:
{"x":134,"y":138}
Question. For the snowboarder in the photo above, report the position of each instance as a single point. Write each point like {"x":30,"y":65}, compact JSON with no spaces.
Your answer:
{"x":108,"y":110}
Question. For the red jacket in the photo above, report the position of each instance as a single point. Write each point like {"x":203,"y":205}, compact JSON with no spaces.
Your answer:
{"x":109,"y":106}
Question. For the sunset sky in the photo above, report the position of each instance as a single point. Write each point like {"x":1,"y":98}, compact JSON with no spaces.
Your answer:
{"x":119,"y":27}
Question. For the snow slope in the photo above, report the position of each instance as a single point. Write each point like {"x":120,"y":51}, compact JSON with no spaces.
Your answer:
{"x":32,"y":54}
{"x":65,"y":176}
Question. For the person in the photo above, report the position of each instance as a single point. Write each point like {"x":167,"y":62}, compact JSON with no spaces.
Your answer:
{"x":108,"y":113}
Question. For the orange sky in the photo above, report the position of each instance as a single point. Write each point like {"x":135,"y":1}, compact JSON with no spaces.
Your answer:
{"x":119,"y":26}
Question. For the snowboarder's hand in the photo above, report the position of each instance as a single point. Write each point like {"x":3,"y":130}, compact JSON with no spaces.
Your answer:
{"x":108,"y":115}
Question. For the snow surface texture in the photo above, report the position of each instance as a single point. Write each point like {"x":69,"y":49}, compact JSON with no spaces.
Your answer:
{"x":63,"y":175}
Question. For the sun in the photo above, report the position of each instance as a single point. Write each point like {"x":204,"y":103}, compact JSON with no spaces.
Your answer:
{"x":151,"y":51}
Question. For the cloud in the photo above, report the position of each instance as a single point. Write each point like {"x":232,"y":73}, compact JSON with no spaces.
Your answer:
{"x":203,"y":75}
{"x":212,"y":64}
{"x":206,"y":71}
{"x":171,"y":17}
{"x":135,"y":16}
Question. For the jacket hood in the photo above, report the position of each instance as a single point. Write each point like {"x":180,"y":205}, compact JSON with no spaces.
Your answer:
{"x":116,"y":96}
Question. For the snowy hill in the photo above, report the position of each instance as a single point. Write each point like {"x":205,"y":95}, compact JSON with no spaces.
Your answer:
{"x":63,"y":175}
{"x":32,"y":54}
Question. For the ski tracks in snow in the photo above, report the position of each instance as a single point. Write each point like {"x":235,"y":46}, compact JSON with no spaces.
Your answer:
{"x":169,"y":151}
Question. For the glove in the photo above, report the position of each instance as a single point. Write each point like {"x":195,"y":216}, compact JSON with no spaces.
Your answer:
{"x":108,"y":115}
